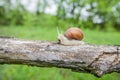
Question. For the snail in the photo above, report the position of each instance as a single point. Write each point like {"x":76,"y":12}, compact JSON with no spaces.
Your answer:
{"x":72,"y":36}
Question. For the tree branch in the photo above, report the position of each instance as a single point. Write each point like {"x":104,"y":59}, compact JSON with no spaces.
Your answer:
{"x":94,"y":59}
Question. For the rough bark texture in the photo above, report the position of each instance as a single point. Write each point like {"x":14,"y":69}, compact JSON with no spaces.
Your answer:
{"x":94,"y":59}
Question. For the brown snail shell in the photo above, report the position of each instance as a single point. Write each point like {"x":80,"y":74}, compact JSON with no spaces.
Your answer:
{"x":74,"y":33}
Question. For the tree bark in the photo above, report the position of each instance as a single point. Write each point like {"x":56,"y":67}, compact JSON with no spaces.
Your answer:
{"x":94,"y":59}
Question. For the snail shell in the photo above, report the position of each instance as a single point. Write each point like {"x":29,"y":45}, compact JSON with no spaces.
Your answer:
{"x":74,"y":33}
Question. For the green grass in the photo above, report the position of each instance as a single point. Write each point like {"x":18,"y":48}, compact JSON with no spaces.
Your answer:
{"x":50,"y":34}
{"x":34,"y":33}
{"x":20,"y":72}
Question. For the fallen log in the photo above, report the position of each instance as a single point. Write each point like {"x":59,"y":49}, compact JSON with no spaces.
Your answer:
{"x":94,"y":59}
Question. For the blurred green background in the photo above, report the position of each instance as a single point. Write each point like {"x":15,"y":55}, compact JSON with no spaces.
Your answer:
{"x":38,"y":20}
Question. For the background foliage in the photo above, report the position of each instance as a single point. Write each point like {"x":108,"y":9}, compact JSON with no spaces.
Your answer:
{"x":99,"y":20}
{"x":100,"y":14}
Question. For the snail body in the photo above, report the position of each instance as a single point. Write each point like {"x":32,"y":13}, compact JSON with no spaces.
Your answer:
{"x":73,"y":36}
